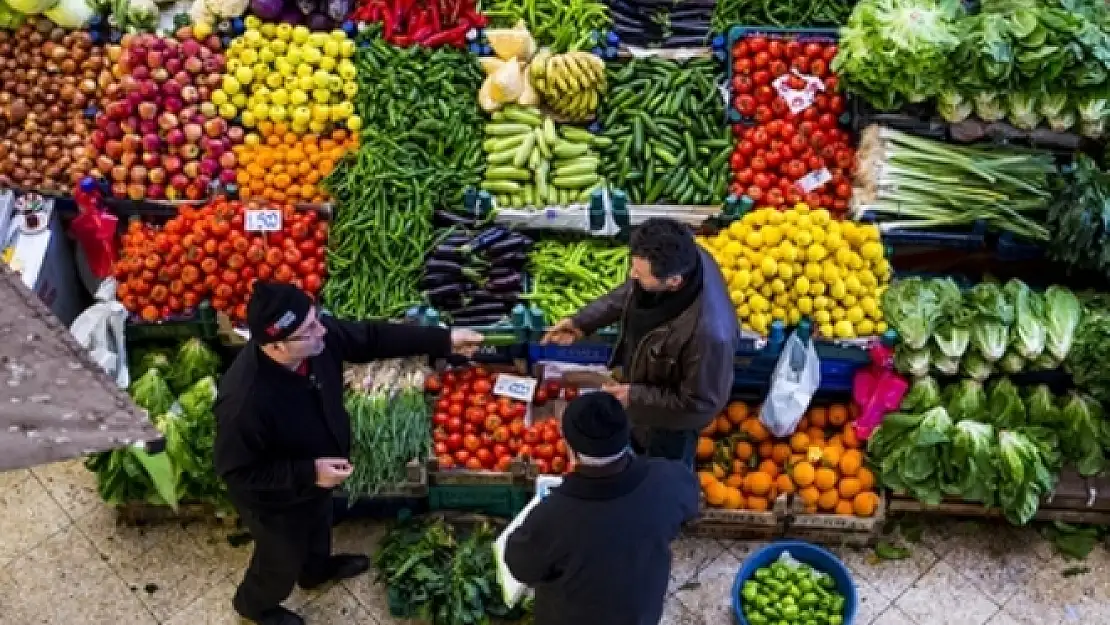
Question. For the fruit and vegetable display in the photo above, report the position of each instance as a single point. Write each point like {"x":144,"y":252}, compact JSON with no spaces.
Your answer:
{"x":801,"y":263}
{"x":48,"y":78}
{"x":475,"y":278}
{"x":742,"y":467}
{"x":565,"y":276}
{"x":792,"y":147}
{"x":987,"y":329}
{"x":532,"y":163}
{"x":288,"y":74}
{"x":478,"y":431}
{"x":177,"y":387}
{"x":206,"y":254}
{"x":663,"y":120}
{"x":792,"y":592}
{"x":996,"y":444}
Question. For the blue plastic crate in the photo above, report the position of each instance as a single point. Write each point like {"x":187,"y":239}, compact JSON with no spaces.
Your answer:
{"x":1010,"y":248}
{"x":579,"y":353}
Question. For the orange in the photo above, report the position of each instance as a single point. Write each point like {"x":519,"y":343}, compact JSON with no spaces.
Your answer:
{"x":735,"y":481}
{"x":758,"y":504}
{"x":744,"y":450}
{"x":724,"y":426}
{"x":719,"y":471}
{"x":758,"y":483}
{"x":838,"y":415}
{"x":810,"y":509}
{"x":830,"y":456}
{"x":844,"y":508}
{"x":739,"y":468}
{"x":865,"y":504}
{"x":780,"y":453}
{"x":766,"y":450}
{"x":710,"y":429}
{"x":849,"y":487}
{"x":866,"y":478}
{"x":850,"y":462}
{"x":737,"y":412}
{"x":705,"y":478}
{"x":799,"y":442}
{"x":796,"y":458}
{"x":803,"y":474}
{"x":733,"y":499}
{"x":818,"y":416}
{"x":824,"y":479}
{"x":715,"y":494}
{"x":809,"y":495}
{"x":816,"y":435}
{"x":828,"y":500}
{"x":756,"y":430}
{"x":704,"y":449}
{"x":770,"y":468}
{"x":784,"y":484}
{"x":835,"y":441}
{"x":802,"y":426}
{"x":848,"y":436}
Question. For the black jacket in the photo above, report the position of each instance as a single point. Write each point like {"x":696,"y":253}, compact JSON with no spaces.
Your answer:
{"x":272,"y":423}
{"x":597,"y":550}
{"x":680,"y":372}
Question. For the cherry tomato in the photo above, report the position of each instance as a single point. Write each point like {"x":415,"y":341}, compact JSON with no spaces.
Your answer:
{"x":454,"y":441}
{"x":471,"y":442}
{"x":757,"y":44}
{"x":485,"y":458}
{"x":441,"y":449}
{"x":742,"y":83}
{"x":761,"y":78}
{"x":744,"y":176}
{"x":558,"y":465}
{"x":742,"y":66}
{"x":492,"y":423}
{"x":504,"y":464}
{"x":531,"y":437}
{"x":445,"y":461}
{"x":745,"y":104}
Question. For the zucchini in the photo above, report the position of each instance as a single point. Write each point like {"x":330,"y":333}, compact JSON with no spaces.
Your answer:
{"x":501,"y":186}
{"x":523,"y":116}
{"x":504,"y":129}
{"x":566,"y":150}
{"x":582,"y":167}
{"x":576,"y":183}
{"x":525,"y":150}
{"x":508,"y":173}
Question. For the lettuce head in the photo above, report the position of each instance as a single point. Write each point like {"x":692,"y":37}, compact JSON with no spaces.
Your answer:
{"x":994,"y":314}
{"x":152,"y":393}
{"x":1061,"y":312}
{"x":967,"y":399}
{"x":194,"y":360}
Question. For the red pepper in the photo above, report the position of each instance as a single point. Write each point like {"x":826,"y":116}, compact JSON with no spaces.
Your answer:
{"x":414,"y":20}
{"x":433,"y":15}
{"x":423,"y":33}
{"x":450,"y":36}
{"x":476,"y":19}
{"x":402,"y":41}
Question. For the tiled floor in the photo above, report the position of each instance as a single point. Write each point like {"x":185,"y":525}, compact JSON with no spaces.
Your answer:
{"x":63,"y":560}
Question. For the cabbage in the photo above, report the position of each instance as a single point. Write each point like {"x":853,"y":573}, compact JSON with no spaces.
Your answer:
{"x":1012,"y":362}
{"x":1062,"y":312}
{"x":1023,"y":476}
{"x":952,"y":334}
{"x":912,"y":307}
{"x":972,"y":459}
{"x":942,"y":363}
{"x":1028,"y":333}
{"x":1093,"y":113}
{"x":975,"y":366}
{"x":1041,"y":407}
{"x":966,"y":400}
{"x":1085,"y":434}
{"x":151,"y":393}
{"x":1056,"y":110}
{"x":194,"y":360}
{"x":923,"y":395}
{"x":910,"y":453}
{"x":994,"y":314}
{"x":1004,"y":406}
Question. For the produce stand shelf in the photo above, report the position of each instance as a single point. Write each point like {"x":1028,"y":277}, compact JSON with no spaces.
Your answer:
{"x":741,"y":524}
{"x":139,"y":514}
{"x":835,"y":529}
{"x":202,"y":325}
{"x":503,"y":500}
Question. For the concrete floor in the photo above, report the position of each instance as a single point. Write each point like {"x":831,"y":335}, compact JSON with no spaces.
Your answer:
{"x":65,"y":561}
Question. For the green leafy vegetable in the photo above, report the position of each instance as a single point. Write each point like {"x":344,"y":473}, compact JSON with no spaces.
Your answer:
{"x":1087,"y":359}
{"x":911,"y":452}
{"x":912,"y":307}
{"x":1029,"y":332}
{"x":1085,"y":435}
{"x":1077,"y":223}
{"x":966,"y":400}
{"x":1004,"y":406}
{"x":151,"y":393}
{"x":1023,"y":477}
{"x":914,"y":362}
{"x":952,"y":334}
{"x":923,"y":395}
{"x":972,"y":461}
{"x":976,"y":367}
{"x":194,"y":360}
{"x":994,"y":314}
{"x":1041,"y":407}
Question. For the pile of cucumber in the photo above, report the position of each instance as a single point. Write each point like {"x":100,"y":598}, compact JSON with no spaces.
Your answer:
{"x":532,"y":163}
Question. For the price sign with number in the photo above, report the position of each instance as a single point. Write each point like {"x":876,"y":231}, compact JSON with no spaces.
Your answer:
{"x":515,"y":387}
{"x":262,"y":220}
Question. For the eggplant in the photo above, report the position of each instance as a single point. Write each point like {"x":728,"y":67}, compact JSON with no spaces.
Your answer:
{"x":501,"y":272}
{"x":432,"y":280}
{"x":457,"y":239}
{"x":339,"y":9}
{"x":500,"y":285}
{"x":449,"y":253}
{"x":487,"y":238}
{"x":443,"y":266}
{"x":482,"y":295}
{"x":476,"y":321}
{"x":686,"y":41}
{"x":454,"y":289}
{"x":444,"y":219}
{"x":515,"y":243}
{"x":475,"y":309}
{"x":512,"y":259}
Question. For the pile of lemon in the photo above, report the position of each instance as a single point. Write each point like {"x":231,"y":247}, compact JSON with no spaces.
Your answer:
{"x":801,"y":263}
{"x":289,"y":74}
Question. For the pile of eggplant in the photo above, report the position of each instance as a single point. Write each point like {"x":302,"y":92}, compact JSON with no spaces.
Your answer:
{"x":668,"y":23}
{"x":475,"y":278}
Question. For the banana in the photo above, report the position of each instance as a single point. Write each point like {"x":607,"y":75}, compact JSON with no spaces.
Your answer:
{"x":539,"y":63}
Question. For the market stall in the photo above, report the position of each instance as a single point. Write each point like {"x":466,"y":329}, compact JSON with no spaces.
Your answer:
{"x":925,"y":226}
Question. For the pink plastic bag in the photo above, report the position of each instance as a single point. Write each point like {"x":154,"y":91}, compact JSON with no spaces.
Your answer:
{"x":876,"y":390}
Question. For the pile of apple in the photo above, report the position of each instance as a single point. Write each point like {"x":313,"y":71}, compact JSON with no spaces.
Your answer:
{"x":158,"y":137}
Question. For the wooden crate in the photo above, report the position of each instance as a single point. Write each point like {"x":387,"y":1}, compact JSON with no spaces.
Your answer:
{"x":138,"y":513}
{"x":741,"y":524}
{"x":1076,"y":499}
{"x":415,"y":484}
{"x":835,"y":529}
{"x":520,"y":473}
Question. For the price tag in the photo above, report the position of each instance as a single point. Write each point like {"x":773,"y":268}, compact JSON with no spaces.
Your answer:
{"x":798,"y":100}
{"x":515,"y":387}
{"x":813,"y":180}
{"x":262,"y":220}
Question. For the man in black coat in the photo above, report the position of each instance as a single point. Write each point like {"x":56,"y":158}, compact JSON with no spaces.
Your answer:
{"x":597,"y":549}
{"x":283,"y":437}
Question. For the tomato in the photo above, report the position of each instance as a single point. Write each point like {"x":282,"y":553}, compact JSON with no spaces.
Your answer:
{"x":742,"y":66}
{"x":550,"y":436}
{"x":531,"y":437}
{"x":764,"y":94}
{"x":761,"y":78}
{"x":561,"y":448}
{"x":441,"y":419}
{"x":775,"y":197}
{"x":474,"y":465}
{"x":480,"y":400}
{"x":830,"y":53}
{"x":758,"y":164}
{"x":445,"y":461}
{"x":476,"y":415}
{"x":745,"y":104}
{"x":818,"y":67}
{"x":471,"y":442}
{"x":454,"y":441}
{"x":836,"y":104}
{"x":757,"y":44}
{"x":501,"y":434}
{"x":482,"y":386}
{"x":432,"y":384}
{"x":454,"y":424}
{"x":492,"y":423}
{"x":504,"y":464}
{"x":778,"y":68}
{"x":773,"y":159}
{"x":485,"y":457}
{"x":742,"y":84}
{"x":831,"y":83}
{"x":792,"y":48}
{"x":744,"y":176}
{"x":312,"y":283}
{"x":558,"y":465}
{"x":800,"y":64}
{"x":455,"y":410}
{"x":441,"y":448}
{"x":458,"y":397}
{"x":516,"y":428}
{"x":543,"y":467}
{"x":755,"y":193}
{"x":844,"y":190}
{"x":449,"y":379}
{"x":540,"y":397}
{"x":813,"y":49}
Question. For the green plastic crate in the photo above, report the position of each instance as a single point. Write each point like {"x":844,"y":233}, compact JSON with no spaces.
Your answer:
{"x":201,"y":325}
{"x":503,"y":500}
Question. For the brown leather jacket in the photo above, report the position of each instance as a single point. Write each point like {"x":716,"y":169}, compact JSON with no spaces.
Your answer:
{"x":681,"y":372}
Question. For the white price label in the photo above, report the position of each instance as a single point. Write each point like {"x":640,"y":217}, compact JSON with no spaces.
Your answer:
{"x":263,"y":220}
{"x":798,"y":100}
{"x":515,"y":387}
{"x":813,"y":180}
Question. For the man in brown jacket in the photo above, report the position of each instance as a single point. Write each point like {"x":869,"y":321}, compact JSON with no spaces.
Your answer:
{"x":678,"y":336}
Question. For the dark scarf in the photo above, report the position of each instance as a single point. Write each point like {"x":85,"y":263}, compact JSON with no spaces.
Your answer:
{"x":650,"y":310}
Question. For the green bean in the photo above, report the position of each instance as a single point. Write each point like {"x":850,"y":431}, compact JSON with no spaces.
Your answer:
{"x":776,"y":13}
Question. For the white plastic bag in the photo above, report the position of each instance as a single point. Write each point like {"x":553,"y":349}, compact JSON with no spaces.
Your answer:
{"x":100,"y":329}
{"x":796,"y":378}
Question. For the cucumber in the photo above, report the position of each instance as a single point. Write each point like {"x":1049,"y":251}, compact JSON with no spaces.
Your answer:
{"x":552,"y":138}
{"x":523,"y":116}
{"x":528,"y":195}
{"x":524,"y":151}
{"x":501,"y":158}
{"x":516,"y":201}
{"x":567,"y":150}
{"x":541,"y":143}
{"x":600,"y":142}
{"x":541,"y":182}
{"x":508,"y":173}
{"x":507,"y":129}
{"x":501,"y":144}
{"x":576,"y":183}
{"x":501,"y":186}
{"x":585,"y":166}
{"x":576,"y":135}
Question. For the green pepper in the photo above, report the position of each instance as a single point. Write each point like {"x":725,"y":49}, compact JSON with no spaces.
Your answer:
{"x":780,"y":572}
{"x":811,"y":622}
{"x":795,"y":592}
{"x":809,"y":599}
{"x":750,"y":591}
{"x":762,"y":601}
{"x":826,"y":581}
{"x":837,"y":605}
{"x":835,"y":619}
{"x":790,"y":612}
{"x":762,"y":574}
{"x":771,"y":611}
{"x":757,"y":619}
{"x":806,"y":584}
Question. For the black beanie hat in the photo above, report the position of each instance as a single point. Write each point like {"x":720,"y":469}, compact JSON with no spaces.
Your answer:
{"x":275,"y":311}
{"x":596,"y":425}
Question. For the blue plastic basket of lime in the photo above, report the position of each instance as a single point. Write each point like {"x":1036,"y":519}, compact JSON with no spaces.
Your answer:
{"x":779,"y":595}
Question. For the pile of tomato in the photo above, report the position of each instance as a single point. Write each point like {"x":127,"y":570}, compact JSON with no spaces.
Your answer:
{"x":204,"y":253}
{"x":476,"y":430}
{"x":777,"y":147}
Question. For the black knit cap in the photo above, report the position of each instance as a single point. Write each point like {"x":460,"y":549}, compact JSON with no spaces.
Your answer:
{"x":596,"y":425}
{"x":275,"y":311}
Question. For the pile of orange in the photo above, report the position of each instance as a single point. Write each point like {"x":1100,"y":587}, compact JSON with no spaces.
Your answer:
{"x":741,"y":466}
{"x":282,"y":166}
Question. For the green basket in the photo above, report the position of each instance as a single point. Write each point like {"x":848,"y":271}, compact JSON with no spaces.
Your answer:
{"x":502,"y":500}
{"x":201,"y":325}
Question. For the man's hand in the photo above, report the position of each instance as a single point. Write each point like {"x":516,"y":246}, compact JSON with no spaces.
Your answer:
{"x":331,"y":472}
{"x":563,"y":333}
{"x":466,"y":342}
{"x":620,"y":391}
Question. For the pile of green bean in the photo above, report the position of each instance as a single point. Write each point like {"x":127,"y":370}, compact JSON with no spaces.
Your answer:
{"x":670,"y":139}
{"x":567,"y":276}
{"x":386,"y":433}
{"x":420,"y":148}
{"x":561,"y":25}
{"x":788,"y":14}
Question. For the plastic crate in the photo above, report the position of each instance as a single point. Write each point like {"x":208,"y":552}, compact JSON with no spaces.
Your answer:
{"x":579,"y":353}
{"x":503,"y":500}
{"x":1011,"y":249}
{"x":201,"y":325}
{"x":820,"y":35}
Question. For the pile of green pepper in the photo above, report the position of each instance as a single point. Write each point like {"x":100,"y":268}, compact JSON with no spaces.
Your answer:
{"x":792,"y":593}
{"x":562,"y":25}
{"x":567,"y":276}
{"x":420,"y":148}
{"x":798,"y":13}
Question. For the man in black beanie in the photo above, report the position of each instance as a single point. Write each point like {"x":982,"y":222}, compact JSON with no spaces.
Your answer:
{"x":283,"y":437}
{"x":597,"y":549}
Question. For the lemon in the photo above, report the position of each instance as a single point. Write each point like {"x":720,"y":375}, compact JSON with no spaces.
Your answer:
{"x":737,"y":297}
{"x":789,"y":252}
{"x":769,"y":267}
{"x":793,"y":317}
{"x":744,"y":311}
{"x":266,"y":55}
{"x":844,"y":330}
{"x":803,"y":238}
{"x":244,"y":75}
{"x":284,"y":31}
{"x":300,"y":34}
{"x":228,"y":110}
{"x":882,"y":269}
{"x":298,"y":97}
{"x":230,"y":85}
{"x":801,"y":208}
{"x":802,"y":285}
{"x":202,"y":30}
{"x":778,"y":313}
{"x":837,"y":289}
{"x":852,"y":284}
{"x":260,"y":71}
{"x":321,"y":95}
{"x":820,"y":302}
{"x":219,"y":97}
{"x":232,"y":65}
{"x":820,"y":217}
{"x":804,"y":220}
{"x":826,"y":330}
{"x":249,"y":56}
{"x":831,"y":271}
{"x":280,"y":97}
{"x":867,"y":279}
{"x":786,"y":272}
{"x":331,"y":48}
{"x":837,"y":313}
{"x":320,"y":79}
{"x":306,"y":83}
{"x":304,"y":70}
{"x":239,"y":100}
{"x":279,"y":47}
{"x":320,"y":113}
{"x":284,"y":67}
{"x":327,"y":63}
{"x":299,"y":127}
{"x":818,"y":234}
{"x":849,"y":300}
{"x":868,"y":305}
{"x":805,"y":305}
{"x":817,"y":288}
{"x":275,"y":81}
{"x":865,"y":328}
{"x":816,"y":252}
{"x":782,"y":300}
{"x":269,"y":31}
{"x":261,"y":111}
{"x":872,"y":250}
{"x":759,"y":217}
{"x":741,"y":279}
{"x":754,"y":240}
{"x":277,"y":113}
{"x":252,"y":21}
{"x":757,"y":279}
{"x":302,"y":114}
{"x":775,"y":218}
{"x":742,"y":263}
{"x":737,"y":230}
{"x":310,"y":55}
{"x":854,"y":314}
{"x":778,"y":286}
{"x":318,"y":127}
{"x":834,"y":241}
{"x":249,"y":121}
{"x":766,"y":291}
{"x":813,"y":271}
{"x":347,"y":48}
{"x":822,"y":316}
{"x":880,"y":327}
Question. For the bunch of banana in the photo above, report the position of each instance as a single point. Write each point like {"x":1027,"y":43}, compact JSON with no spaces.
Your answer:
{"x":571,"y":83}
